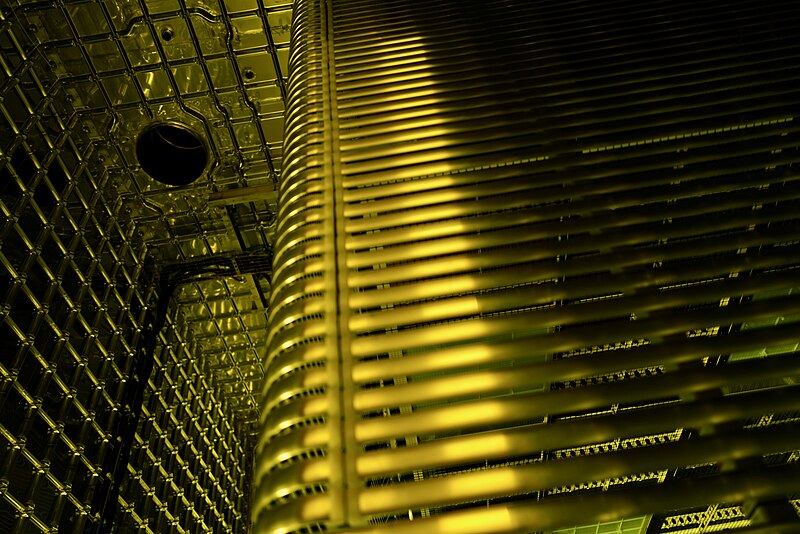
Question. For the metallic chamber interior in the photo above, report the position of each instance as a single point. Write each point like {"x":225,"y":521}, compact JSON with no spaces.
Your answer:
{"x":450,"y":267}
{"x":86,"y":234}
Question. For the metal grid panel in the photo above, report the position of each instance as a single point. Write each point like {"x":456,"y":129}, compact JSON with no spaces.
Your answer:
{"x":636,"y":525}
{"x":82,"y":226}
{"x":71,"y":303}
{"x":216,"y":67}
{"x":189,"y":465}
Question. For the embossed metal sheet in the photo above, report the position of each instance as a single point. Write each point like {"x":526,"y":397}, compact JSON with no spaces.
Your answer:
{"x":536,"y":267}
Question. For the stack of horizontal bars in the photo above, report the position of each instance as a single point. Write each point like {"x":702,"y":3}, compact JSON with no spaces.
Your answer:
{"x":536,"y":266}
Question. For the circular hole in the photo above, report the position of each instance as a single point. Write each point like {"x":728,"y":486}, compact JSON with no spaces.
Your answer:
{"x":167,"y":33}
{"x":249,"y":74}
{"x":171,"y":154}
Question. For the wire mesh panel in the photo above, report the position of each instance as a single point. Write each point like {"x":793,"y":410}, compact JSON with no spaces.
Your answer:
{"x":90,"y":439}
{"x":188,"y":464}
{"x":535,"y":268}
{"x":70,"y":302}
{"x":146,"y":81}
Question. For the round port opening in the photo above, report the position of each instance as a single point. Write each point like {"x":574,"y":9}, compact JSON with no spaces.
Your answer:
{"x":167,"y":33}
{"x":249,"y":74}
{"x":171,"y":153}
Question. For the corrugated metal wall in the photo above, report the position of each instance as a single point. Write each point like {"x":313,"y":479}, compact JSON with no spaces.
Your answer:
{"x":536,"y":267}
{"x":81,"y":227}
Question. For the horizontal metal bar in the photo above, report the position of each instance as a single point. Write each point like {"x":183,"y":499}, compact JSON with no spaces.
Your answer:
{"x":522,"y":377}
{"x":241,"y":195}
{"x":484,"y":484}
{"x":527,"y":350}
{"x":506,"y":411}
{"x":517,"y":442}
{"x":539,"y":320}
{"x":550,"y":514}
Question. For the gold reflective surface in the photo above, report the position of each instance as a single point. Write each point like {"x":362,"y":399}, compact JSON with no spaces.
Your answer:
{"x":554,"y":254}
